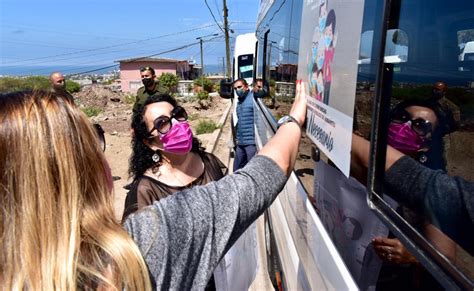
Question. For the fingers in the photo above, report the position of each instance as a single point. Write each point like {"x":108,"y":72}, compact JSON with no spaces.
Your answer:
{"x":298,"y":110}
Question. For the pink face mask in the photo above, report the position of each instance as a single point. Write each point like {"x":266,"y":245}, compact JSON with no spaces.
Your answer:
{"x":404,"y":138}
{"x":179,"y":140}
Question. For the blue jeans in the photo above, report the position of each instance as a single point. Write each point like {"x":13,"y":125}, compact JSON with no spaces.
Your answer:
{"x":243,"y":154}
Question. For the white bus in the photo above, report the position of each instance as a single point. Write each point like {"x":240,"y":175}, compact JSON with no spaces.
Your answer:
{"x":359,"y":59}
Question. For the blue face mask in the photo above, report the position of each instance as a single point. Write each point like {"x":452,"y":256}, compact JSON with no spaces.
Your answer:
{"x":240,"y":92}
{"x":322,"y":23}
{"x":327,"y":41}
{"x":315,"y":51}
{"x":320,"y":87}
{"x":320,"y":62}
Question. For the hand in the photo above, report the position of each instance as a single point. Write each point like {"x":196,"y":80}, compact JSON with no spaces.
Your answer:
{"x":298,"y":110}
{"x":392,"y":251}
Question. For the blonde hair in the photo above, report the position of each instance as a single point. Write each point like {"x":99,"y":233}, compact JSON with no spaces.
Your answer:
{"x":58,"y":230}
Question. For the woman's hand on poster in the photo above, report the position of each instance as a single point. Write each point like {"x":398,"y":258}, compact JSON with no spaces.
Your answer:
{"x":392,"y":251}
{"x":298,"y":110}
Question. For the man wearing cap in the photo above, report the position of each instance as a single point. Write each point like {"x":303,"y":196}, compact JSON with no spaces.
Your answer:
{"x":453,"y":114}
{"x":58,"y":85}
{"x":151,"y":87}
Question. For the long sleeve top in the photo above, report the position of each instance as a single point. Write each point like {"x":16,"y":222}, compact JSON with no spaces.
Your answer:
{"x":449,"y":201}
{"x":183,"y":237}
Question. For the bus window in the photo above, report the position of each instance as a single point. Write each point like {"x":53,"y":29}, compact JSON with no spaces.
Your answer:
{"x":466,"y":48}
{"x":396,"y":46}
{"x":245,"y":66}
{"x":431,"y":120}
{"x":278,"y":65}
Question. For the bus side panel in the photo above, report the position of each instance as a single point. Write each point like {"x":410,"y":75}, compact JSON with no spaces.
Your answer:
{"x":308,"y":257}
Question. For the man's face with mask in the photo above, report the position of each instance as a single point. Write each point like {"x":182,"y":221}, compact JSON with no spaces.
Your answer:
{"x":258,"y":90}
{"x":240,"y":88}
{"x":148,"y":78}
{"x":439,"y":90}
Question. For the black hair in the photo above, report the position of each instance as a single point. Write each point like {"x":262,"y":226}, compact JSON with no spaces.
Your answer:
{"x":141,"y":158}
{"x":148,"y":68}
{"x":241,"y":80}
{"x":434,"y":157}
{"x":331,"y":20}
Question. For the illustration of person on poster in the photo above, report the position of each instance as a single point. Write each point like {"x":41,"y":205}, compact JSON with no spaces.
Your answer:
{"x":324,"y":42}
{"x":329,"y":36}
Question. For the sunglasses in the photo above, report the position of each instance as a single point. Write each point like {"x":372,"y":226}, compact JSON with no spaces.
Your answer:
{"x":421,"y":126}
{"x":163,"y":123}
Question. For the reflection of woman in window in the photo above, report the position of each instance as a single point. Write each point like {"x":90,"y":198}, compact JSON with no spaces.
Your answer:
{"x":416,"y":129}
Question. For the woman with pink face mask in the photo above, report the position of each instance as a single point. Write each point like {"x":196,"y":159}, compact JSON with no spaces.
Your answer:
{"x":416,"y":129}
{"x":166,"y":158}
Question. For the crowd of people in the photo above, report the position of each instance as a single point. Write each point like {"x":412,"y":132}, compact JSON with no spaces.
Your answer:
{"x":183,"y":210}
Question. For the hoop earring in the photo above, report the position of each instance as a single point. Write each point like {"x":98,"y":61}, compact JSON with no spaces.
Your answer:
{"x":156,"y":157}
{"x":423,"y":158}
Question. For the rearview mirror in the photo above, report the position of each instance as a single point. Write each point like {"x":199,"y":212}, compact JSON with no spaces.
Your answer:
{"x":226,"y":91}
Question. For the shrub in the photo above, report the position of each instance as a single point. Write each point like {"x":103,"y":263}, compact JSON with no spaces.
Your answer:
{"x":91,"y":111}
{"x":202,"y":95}
{"x":169,"y":81}
{"x":206,"y":126}
{"x":72,"y":87}
{"x":208,"y":85}
{"x":9,"y":84}
{"x":193,"y":116}
{"x":129,"y":98}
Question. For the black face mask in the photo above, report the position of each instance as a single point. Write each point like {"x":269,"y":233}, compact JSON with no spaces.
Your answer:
{"x":148,"y":82}
{"x":260,"y":93}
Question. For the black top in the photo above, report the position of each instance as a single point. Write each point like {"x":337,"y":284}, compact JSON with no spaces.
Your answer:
{"x":145,"y":190}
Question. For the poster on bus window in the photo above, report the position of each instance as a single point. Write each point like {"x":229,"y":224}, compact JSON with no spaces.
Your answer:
{"x":329,"y":50}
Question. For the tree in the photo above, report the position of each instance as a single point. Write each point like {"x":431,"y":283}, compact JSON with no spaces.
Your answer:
{"x":169,"y":81}
{"x":208,"y":85}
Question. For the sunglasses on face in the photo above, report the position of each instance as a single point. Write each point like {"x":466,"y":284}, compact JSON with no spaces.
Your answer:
{"x":421,"y":126}
{"x":163,"y":123}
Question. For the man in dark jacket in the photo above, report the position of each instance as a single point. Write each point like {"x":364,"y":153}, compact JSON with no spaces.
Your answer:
{"x":151,"y":87}
{"x":245,"y":136}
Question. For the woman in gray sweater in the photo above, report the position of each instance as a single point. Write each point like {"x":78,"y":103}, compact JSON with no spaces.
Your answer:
{"x":57,"y":223}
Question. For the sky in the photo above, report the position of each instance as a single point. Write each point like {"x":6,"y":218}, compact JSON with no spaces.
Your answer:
{"x":37,"y":36}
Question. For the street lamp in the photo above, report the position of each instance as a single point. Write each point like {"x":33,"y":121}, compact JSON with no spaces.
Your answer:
{"x":202,"y":59}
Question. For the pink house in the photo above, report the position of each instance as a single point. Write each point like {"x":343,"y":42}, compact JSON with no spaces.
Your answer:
{"x":130,"y":70}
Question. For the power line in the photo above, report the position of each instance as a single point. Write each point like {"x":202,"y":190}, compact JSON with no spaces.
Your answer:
{"x":217,"y":7}
{"x":112,"y":46}
{"x":149,"y":56}
{"x":215,"y":20}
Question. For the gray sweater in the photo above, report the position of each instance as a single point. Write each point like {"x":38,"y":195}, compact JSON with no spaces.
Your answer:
{"x":184,"y":236}
{"x":448,"y":201}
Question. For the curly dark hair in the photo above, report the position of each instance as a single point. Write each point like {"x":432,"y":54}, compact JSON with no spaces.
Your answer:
{"x":435,"y":155}
{"x":141,"y":160}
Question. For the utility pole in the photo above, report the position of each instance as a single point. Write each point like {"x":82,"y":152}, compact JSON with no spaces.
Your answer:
{"x":202,"y":65}
{"x":223,"y":67}
{"x":227,"y":47}
{"x":202,"y":58}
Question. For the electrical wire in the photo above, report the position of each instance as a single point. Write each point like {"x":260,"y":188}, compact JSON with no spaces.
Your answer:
{"x":215,"y":20}
{"x":113,"y":46}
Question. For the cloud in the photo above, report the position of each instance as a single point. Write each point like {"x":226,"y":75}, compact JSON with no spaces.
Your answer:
{"x":18,"y":31}
{"x":188,"y":19}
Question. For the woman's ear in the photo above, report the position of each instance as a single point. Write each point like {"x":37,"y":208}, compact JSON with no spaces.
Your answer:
{"x":151,"y":143}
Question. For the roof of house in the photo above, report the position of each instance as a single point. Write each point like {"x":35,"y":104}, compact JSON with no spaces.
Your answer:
{"x":147,"y":59}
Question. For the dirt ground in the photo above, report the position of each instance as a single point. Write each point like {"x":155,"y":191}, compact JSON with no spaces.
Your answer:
{"x":115,"y":117}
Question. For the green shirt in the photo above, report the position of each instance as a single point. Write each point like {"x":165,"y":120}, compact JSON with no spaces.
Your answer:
{"x":143,"y":93}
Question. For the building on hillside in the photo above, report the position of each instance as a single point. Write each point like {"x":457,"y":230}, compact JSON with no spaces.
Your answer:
{"x":130,"y":70}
